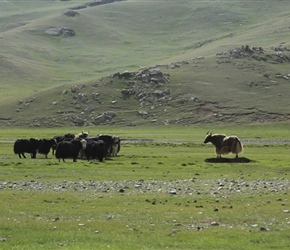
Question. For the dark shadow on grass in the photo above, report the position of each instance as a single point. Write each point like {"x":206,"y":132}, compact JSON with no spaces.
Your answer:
{"x":229,"y":160}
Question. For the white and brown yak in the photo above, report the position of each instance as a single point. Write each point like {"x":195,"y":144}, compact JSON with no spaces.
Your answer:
{"x":224,"y":144}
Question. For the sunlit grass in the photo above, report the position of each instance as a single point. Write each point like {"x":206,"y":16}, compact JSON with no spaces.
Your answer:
{"x":49,"y":204}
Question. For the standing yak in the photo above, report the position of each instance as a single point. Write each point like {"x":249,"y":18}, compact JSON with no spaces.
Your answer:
{"x":70,"y":149}
{"x":96,"y":149}
{"x":224,"y":144}
{"x":22,"y":146}
{"x":45,"y":145}
{"x":112,"y":142}
{"x":58,"y":139}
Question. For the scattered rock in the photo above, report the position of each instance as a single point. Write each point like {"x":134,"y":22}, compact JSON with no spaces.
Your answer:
{"x":55,"y":219}
{"x":104,"y":118}
{"x":173,"y":191}
{"x":144,"y":114}
{"x":74,"y":89}
{"x":60,"y":31}
{"x":71,"y":13}
{"x":79,"y":121}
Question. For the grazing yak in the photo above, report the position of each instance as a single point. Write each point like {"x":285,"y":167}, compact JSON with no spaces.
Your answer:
{"x":224,"y":144}
{"x":44,"y":146}
{"x":96,"y":149}
{"x":69,"y":149}
{"x":58,"y":139}
{"x":113,"y":144}
{"x":30,"y":146}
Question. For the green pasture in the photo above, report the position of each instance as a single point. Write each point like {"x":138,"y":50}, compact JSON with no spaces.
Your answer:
{"x":127,"y":202}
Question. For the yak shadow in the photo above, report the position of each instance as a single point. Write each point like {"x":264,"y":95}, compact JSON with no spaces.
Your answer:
{"x":228,"y":160}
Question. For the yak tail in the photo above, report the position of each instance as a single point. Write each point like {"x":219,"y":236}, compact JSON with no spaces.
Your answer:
{"x":238,"y":147}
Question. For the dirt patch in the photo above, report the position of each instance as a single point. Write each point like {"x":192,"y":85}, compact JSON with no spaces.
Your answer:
{"x":229,"y":160}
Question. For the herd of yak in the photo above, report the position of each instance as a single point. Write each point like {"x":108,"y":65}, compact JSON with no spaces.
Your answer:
{"x":102,"y":146}
{"x":70,"y":146}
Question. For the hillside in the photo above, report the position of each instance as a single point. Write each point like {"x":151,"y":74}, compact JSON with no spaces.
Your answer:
{"x":81,"y":63}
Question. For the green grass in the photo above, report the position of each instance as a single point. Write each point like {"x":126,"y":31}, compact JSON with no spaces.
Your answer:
{"x":77,"y":218}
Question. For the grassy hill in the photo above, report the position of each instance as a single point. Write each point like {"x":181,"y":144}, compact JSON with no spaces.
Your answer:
{"x":38,"y":69}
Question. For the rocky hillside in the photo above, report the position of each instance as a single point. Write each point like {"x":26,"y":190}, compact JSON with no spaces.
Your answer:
{"x":243,"y":84}
{"x":131,"y":63}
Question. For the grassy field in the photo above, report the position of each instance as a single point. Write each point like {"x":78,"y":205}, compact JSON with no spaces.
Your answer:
{"x":155,"y":195}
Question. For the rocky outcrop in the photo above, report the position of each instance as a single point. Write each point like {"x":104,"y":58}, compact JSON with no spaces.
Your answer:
{"x":142,"y":85}
{"x":71,"y":13}
{"x":54,"y":31}
{"x":277,"y":54}
{"x":104,"y":118}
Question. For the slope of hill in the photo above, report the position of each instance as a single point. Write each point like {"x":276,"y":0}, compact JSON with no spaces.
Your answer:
{"x":45,"y":50}
{"x":241,"y":85}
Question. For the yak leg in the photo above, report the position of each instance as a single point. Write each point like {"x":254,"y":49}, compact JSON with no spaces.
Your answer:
{"x":218,"y":152}
{"x":23,"y":155}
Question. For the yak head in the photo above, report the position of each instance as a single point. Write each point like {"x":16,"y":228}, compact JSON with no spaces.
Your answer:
{"x":208,"y":137}
{"x":84,"y":143}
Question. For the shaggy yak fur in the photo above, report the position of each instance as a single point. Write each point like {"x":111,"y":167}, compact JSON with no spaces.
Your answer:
{"x":69,"y":149}
{"x":224,"y":144}
{"x":22,"y":146}
{"x":95,"y":150}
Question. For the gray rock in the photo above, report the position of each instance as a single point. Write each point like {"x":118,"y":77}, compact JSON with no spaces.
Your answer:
{"x":71,"y":13}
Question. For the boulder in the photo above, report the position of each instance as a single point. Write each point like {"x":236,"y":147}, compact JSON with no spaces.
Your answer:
{"x":60,"y":31}
{"x":79,"y":121}
{"x":105,"y":117}
{"x":71,"y":13}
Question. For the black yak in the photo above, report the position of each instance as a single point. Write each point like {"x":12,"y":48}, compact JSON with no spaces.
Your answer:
{"x":69,"y":149}
{"x":45,"y":145}
{"x":224,"y":144}
{"x":112,"y":144}
{"x":96,"y":149}
{"x":58,"y":139}
{"x":22,"y":146}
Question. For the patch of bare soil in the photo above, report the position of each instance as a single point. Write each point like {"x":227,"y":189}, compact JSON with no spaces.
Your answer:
{"x":228,"y":160}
